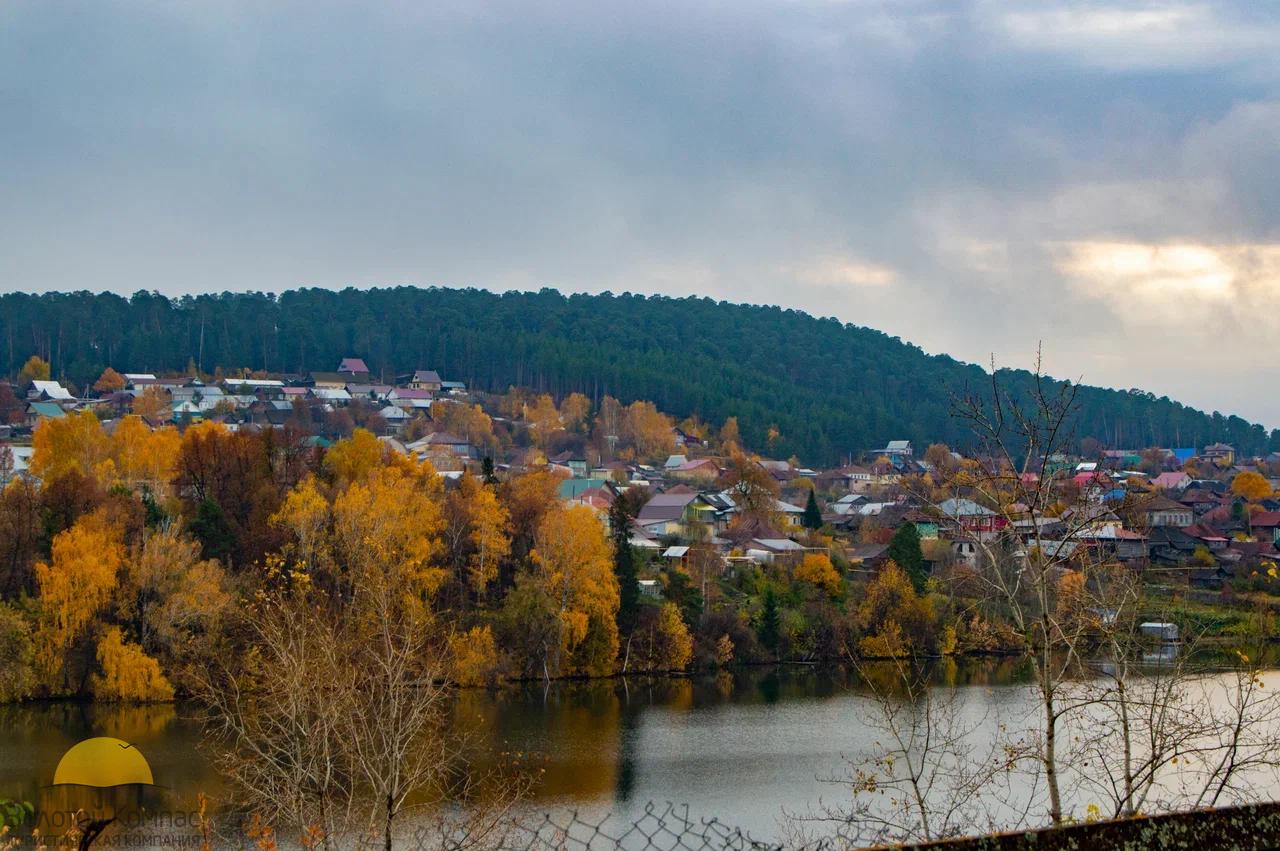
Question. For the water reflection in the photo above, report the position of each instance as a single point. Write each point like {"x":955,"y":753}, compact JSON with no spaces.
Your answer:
{"x":739,"y":745}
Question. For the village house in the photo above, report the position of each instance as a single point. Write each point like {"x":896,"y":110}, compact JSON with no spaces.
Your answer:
{"x":425,"y":379}
{"x":1162,"y":511}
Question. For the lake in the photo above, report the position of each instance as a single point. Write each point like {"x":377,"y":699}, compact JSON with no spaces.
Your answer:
{"x":741,"y":747}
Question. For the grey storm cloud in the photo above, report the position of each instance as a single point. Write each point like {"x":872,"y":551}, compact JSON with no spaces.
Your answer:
{"x":974,"y":177}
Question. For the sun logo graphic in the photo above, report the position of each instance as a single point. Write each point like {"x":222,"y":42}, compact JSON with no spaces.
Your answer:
{"x":99,"y":783}
{"x":103,"y":762}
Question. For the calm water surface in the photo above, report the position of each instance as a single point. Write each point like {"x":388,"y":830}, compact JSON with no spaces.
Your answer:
{"x":740,"y":747}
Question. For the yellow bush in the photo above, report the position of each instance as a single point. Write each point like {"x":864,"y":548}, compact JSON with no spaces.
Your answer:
{"x":475,"y":656}
{"x":817,"y":569}
{"x":127,"y":672}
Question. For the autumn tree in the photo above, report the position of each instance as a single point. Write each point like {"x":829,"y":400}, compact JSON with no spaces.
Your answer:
{"x":608,"y":427}
{"x":817,"y":570}
{"x":73,"y":587}
{"x":355,"y":458}
{"x":527,"y":499}
{"x":662,"y":640}
{"x":143,"y":457}
{"x":575,"y":565}
{"x":20,"y":533}
{"x":35,"y":369}
{"x":895,"y":620}
{"x":75,"y":442}
{"x":753,"y":488}
{"x":489,"y":538}
{"x":11,"y":407}
{"x":939,"y":456}
{"x":543,"y":419}
{"x":230,"y":484}
{"x":467,"y":421}
{"x":647,"y":430}
{"x":172,"y":603}
{"x":127,"y":673}
{"x":1252,"y":486}
{"x":387,"y":531}
{"x":109,"y":382}
{"x":575,"y":411}
{"x":154,"y":404}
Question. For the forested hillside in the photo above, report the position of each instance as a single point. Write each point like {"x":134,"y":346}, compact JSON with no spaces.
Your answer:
{"x":830,"y":389}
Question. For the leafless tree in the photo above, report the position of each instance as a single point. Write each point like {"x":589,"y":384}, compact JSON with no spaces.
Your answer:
{"x":339,"y":725}
{"x":927,"y":777}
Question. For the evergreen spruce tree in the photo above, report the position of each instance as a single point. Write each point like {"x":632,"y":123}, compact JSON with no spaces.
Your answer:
{"x":769,"y":630}
{"x":624,"y":566}
{"x":486,"y":471}
{"x":905,"y":551}
{"x":812,"y":513}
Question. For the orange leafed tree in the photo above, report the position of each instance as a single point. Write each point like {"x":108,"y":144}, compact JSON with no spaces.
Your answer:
{"x":387,"y":530}
{"x":109,"y":382}
{"x":817,"y":570}
{"x":35,"y":369}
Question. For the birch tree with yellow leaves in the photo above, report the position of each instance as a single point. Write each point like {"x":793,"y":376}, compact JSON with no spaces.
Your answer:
{"x":575,"y":566}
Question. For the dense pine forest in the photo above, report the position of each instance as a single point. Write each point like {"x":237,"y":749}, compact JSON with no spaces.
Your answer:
{"x":830,"y":389}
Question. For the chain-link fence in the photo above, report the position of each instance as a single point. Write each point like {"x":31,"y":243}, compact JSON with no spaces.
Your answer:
{"x":661,"y":827}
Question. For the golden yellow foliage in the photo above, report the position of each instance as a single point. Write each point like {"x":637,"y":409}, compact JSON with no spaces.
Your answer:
{"x":574,"y":410}
{"x":35,"y":369}
{"x":724,"y":650}
{"x":475,"y":656}
{"x":78,"y":583}
{"x":468,"y":421}
{"x":887,"y":643}
{"x":674,"y":638}
{"x":891,"y":608}
{"x":1252,"y":486}
{"x":647,"y":430}
{"x":576,"y":568}
{"x":154,"y":404}
{"x":387,"y":528}
{"x":143,"y":456}
{"x":127,"y":672}
{"x":355,"y":458}
{"x":489,"y":523}
{"x":817,"y":569}
{"x":543,"y":419}
{"x":73,"y":442}
{"x":305,"y":512}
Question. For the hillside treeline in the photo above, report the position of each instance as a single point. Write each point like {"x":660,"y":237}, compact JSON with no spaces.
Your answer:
{"x":822,"y":389}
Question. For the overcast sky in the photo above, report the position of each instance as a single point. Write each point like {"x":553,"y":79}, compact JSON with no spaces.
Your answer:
{"x":973,"y":177}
